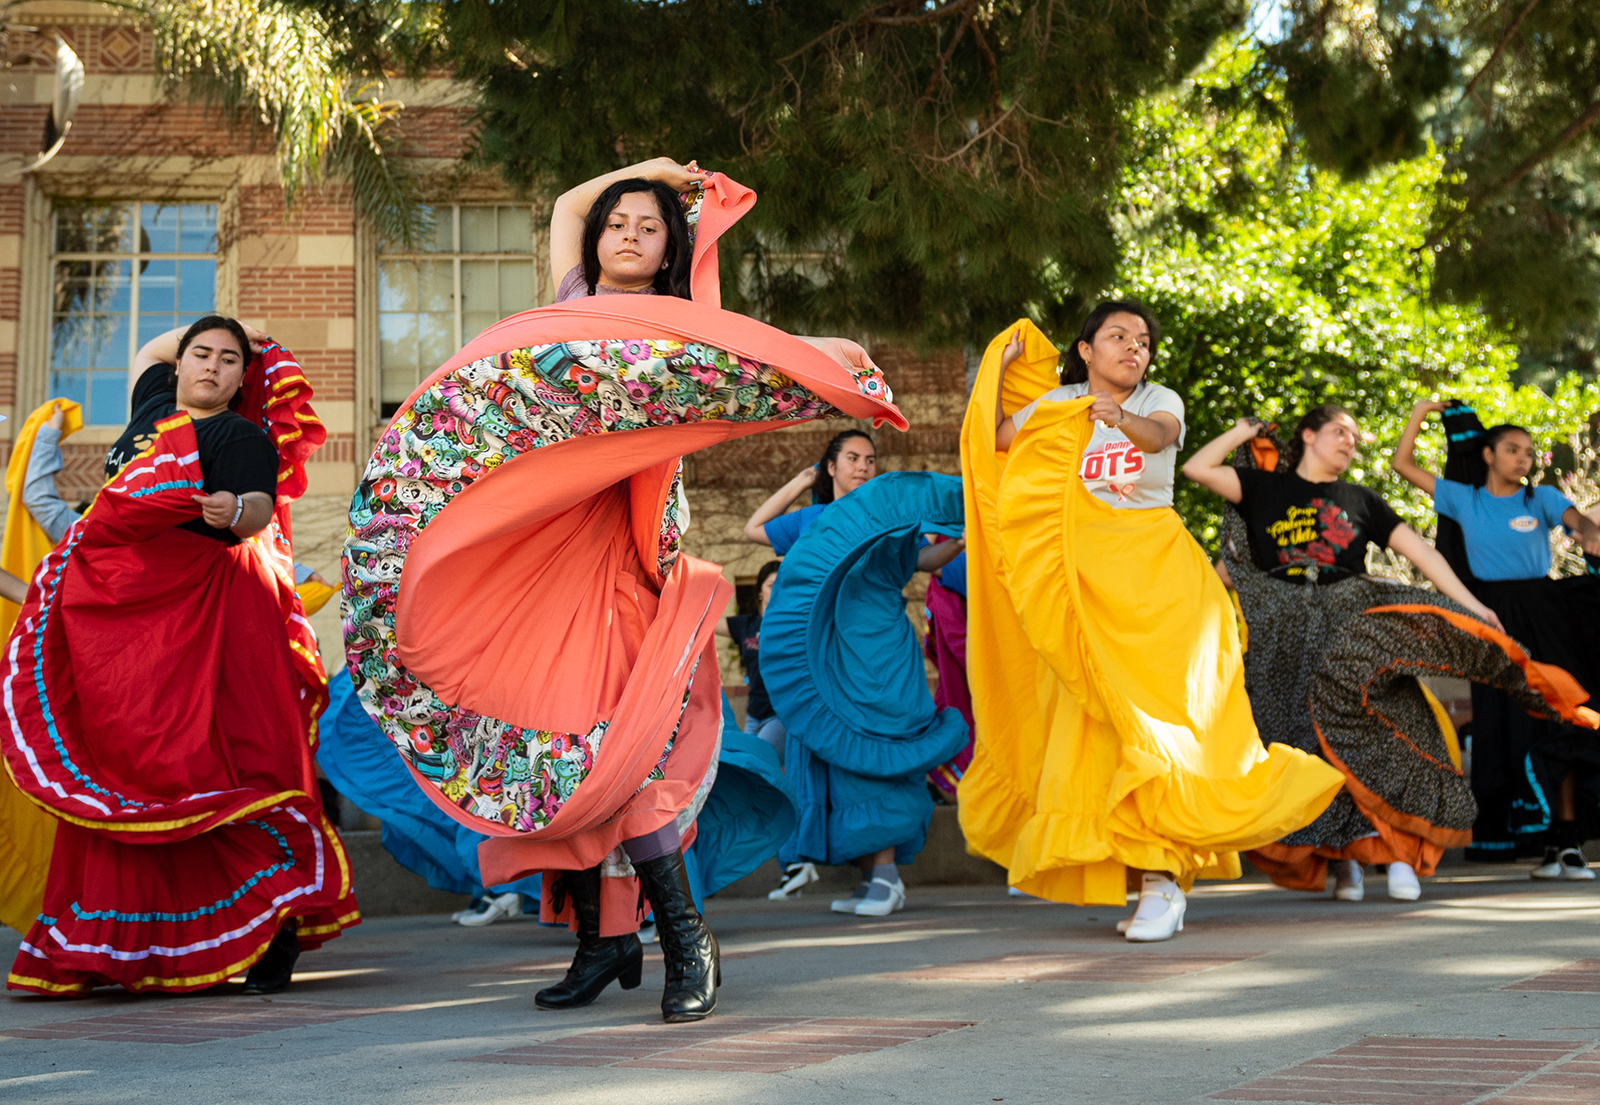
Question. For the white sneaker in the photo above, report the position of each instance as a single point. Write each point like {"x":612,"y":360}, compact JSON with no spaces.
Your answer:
{"x":795,"y":876}
{"x":1573,"y":866}
{"x":848,"y":905}
{"x":1403,"y":884}
{"x":1160,"y":911}
{"x":501,"y":907}
{"x":882,"y":907}
{"x":1550,"y":868}
{"x":1347,"y":881}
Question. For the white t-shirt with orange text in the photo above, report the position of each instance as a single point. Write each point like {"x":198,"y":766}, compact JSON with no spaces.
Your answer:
{"x":1113,"y":467}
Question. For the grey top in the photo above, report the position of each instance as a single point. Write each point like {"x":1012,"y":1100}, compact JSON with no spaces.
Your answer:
{"x":39,"y":495}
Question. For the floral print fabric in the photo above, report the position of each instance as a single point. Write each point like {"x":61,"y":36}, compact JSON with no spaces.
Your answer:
{"x":465,"y":424}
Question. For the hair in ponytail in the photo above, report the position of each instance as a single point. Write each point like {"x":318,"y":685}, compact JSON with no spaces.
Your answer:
{"x":822,"y":490}
{"x":1490,"y":440}
{"x":1074,"y":370}
{"x":1313,"y":420}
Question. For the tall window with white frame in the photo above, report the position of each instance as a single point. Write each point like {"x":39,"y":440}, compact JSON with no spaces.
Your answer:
{"x":477,"y":268}
{"x":123,"y":273}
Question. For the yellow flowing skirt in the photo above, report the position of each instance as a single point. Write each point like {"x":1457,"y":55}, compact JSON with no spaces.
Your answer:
{"x":1113,"y":729}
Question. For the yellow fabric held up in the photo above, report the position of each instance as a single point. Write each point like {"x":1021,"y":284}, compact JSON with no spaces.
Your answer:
{"x":314,"y":596}
{"x":1113,"y":729}
{"x":27,"y":833}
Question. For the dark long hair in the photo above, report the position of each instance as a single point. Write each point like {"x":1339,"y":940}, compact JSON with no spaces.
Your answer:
{"x":1074,"y":370}
{"x":1313,"y":420}
{"x":673,"y":279}
{"x":822,"y":490}
{"x":218,"y":322}
{"x":1490,"y":440}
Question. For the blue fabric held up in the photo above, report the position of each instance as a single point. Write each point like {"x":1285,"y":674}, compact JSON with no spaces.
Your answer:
{"x":361,"y":763}
{"x":847,"y":677}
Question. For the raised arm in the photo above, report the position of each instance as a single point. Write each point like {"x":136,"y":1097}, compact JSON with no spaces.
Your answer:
{"x":780,"y":501}
{"x":1005,"y":428}
{"x":572,"y":206}
{"x":1409,"y":544}
{"x":1209,"y":466}
{"x":1404,"y":461}
{"x":933,"y":557}
{"x":163,"y":349}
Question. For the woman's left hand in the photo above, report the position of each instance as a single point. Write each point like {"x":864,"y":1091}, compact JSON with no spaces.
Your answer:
{"x":256,"y":338}
{"x":1105,"y":409}
{"x":846,"y":352}
{"x":218,"y":508}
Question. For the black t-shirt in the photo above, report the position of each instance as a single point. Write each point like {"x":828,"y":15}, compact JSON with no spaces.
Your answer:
{"x":746,"y":630}
{"x":235,"y":454}
{"x":1295,"y":523}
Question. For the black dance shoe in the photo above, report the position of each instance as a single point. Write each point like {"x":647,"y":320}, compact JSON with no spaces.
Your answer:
{"x":694,"y":967}
{"x":600,"y":960}
{"x":271,"y":973}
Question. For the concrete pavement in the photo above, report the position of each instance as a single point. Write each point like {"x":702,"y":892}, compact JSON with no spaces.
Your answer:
{"x":1476,"y":993}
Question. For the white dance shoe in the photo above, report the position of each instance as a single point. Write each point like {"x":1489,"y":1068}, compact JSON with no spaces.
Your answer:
{"x":795,"y":876}
{"x":1347,"y":881}
{"x":496,"y":907}
{"x":1160,"y":911}
{"x":882,"y":907}
{"x":1563,"y":863}
{"x":1403,"y":884}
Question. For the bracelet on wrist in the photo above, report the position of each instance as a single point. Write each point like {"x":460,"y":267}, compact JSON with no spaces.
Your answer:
{"x":238,"y":511}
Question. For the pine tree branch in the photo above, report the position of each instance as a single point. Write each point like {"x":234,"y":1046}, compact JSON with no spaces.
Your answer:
{"x":1500,"y":48}
{"x":944,"y":60}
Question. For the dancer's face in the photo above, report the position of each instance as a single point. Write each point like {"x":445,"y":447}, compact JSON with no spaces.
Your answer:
{"x":766,"y":590}
{"x":1334,"y":446}
{"x":633,"y":244}
{"x":1120,"y":352}
{"x":1511,"y":459}
{"x":210,"y":371}
{"x":857,"y":463}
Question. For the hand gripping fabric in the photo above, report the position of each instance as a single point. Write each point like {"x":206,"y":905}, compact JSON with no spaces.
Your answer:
{"x":518,"y":617}
{"x":842,"y":665}
{"x":160,"y":708}
{"x":1103,"y":655}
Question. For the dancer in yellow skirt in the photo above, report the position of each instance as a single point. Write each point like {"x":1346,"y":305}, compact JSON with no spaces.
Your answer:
{"x":1113,"y":731}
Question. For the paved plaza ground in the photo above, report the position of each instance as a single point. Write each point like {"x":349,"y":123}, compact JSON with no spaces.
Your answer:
{"x":1486,"y":990}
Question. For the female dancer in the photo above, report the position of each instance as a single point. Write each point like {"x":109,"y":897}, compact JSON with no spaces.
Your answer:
{"x":1333,"y":653}
{"x":584,"y":540}
{"x":163,"y":687}
{"x":1113,"y":733}
{"x":849,"y":461}
{"x":1505,"y":525}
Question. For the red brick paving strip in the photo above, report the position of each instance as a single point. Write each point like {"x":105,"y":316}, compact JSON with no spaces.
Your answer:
{"x":1582,"y":977}
{"x":192,"y":1021}
{"x":1062,"y":967}
{"x":1393,"y":1070}
{"x":749,"y":1045}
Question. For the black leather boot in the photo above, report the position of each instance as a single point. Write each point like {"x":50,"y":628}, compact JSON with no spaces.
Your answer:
{"x":693,"y":961}
{"x":271,"y":973}
{"x":600,"y":959}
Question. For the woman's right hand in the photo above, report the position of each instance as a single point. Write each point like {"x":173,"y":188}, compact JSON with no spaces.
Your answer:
{"x":807,"y":477}
{"x":1425,"y":408}
{"x":1251,"y":425}
{"x":680,"y":178}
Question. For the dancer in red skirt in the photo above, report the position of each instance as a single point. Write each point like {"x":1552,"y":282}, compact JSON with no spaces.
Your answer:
{"x":161,"y":685}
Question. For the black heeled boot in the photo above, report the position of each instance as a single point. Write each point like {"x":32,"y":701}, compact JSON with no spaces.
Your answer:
{"x":600,"y":959}
{"x":693,"y":961}
{"x":271,"y":973}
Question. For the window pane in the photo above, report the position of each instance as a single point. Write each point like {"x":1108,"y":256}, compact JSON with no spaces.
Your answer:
{"x":443,"y":236}
{"x":516,"y":230}
{"x":111,"y":341}
{"x":197,"y":228}
{"x":397,"y":341}
{"x":479,"y":290}
{"x":93,"y":228}
{"x":158,"y":228}
{"x":197,"y":287}
{"x":436,"y":340}
{"x":71,"y":341}
{"x":158,"y":287}
{"x":69,"y":385}
{"x":516,"y":287}
{"x":477,"y":230}
{"x":436,"y":286}
{"x":152,"y":326}
{"x":108,"y":398}
{"x":474,"y":324}
{"x":397,"y":286}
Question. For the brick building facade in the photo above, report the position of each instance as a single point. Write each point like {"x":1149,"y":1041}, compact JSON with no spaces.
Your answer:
{"x":84,"y":259}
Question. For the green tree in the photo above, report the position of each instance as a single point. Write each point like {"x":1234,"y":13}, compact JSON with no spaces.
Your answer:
{"x":1282,"y":285}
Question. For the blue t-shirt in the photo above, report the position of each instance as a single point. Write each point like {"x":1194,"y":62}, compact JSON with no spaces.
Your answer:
{"x":1507,"y":537}
{"x":953,"y":576}
{"x":784,"y":530}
